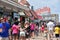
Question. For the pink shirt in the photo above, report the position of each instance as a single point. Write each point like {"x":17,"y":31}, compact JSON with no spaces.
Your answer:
{"x":32,"y":26}
{"x":15,"y":29}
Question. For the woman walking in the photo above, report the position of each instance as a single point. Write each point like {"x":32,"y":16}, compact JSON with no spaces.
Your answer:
{"x":15,"y":30}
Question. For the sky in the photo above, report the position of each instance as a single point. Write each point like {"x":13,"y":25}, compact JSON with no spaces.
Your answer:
{"x":53,"y":4}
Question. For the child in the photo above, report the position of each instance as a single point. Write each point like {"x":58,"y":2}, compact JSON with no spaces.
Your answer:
{"x":42,"y":29}
{"x":15,"y":30}
{"x":57,"y":31}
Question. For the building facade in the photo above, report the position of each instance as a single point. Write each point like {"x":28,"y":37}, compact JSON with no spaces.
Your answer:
{"x":12,"y":7}
{"x":54,"y":17}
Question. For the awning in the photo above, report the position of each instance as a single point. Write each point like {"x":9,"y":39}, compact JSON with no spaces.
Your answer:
{"x":28,"y":13}
{"x":42,"y":10}
{"x":40,"y":17}
{"x":34,"y":14}
{"x":9,"y":2}
{"x":32,"y":18}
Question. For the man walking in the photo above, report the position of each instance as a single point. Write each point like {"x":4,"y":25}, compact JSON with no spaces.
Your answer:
{"x":50,"y":27}
{"x":4,"y":34}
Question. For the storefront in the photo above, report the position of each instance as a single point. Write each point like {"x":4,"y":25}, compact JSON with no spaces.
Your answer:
{"x":10,"y":8}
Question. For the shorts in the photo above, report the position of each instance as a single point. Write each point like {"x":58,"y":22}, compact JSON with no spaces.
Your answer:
{"x":22,"y":33}
{"x":50,"y":31}
{"x":32,"y":31}
{"x":56,"y":35}
{"x":15,"y":34}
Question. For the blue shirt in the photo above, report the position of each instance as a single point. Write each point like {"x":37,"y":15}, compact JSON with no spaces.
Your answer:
{"x":1,"y":27}
{"x":5,"y":32}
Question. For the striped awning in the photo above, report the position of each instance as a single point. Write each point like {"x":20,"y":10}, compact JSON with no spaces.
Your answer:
{"x":42,"y":10}
{"x":40,"y":17}
{"x":28,"y":13}
{"x":32,"y":18}
{"x":34,"y":14}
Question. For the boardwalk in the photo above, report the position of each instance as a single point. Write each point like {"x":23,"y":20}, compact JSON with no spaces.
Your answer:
{"x":43,"y":38}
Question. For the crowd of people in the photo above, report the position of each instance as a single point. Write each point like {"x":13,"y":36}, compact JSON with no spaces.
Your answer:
{"x":29,"y":30}
{"x":15,"y":31}
{"x":50,"y":30}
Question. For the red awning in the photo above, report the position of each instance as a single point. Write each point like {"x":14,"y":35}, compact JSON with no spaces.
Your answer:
{"x":40,"y":17}
{"x":33,"y":13}
{"x":27,"y":13}
{"x":32,"y":18}
{"x":42,"y":10}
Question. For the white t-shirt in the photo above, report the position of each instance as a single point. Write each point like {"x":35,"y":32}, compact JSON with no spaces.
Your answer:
{"x":50,"y":26}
